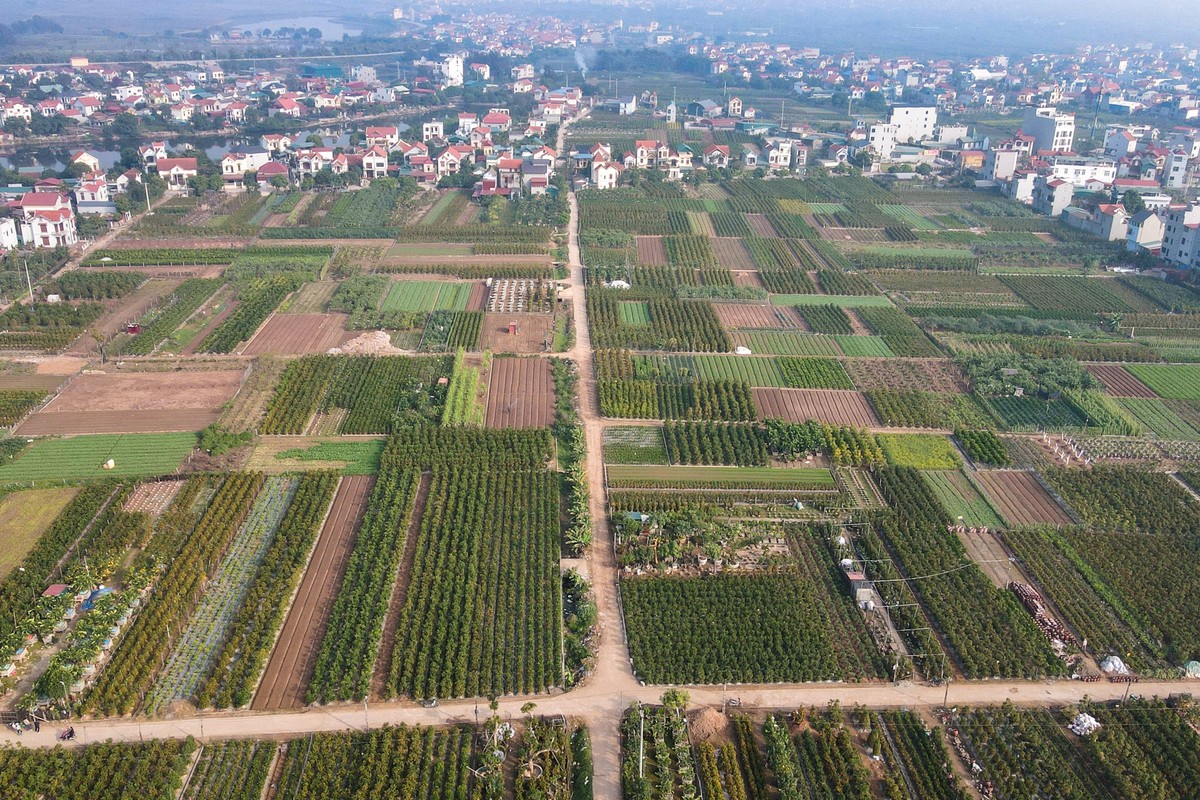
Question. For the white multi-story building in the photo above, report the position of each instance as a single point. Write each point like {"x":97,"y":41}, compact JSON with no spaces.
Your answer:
{"x":1051,"y":131}
{"x":1175,"y":173}
{"x":1181,"y":236}
{"x":913,"y":123}
{"x":452,"y":70}
{"x":882,"y":138}
{"x":1079,"y":171}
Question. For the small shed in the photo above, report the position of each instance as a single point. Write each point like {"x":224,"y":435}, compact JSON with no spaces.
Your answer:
{"x":55,"y":590}
{"x":862,"y":589}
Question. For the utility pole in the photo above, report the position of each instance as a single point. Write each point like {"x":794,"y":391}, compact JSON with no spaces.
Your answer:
{"x":28,"y":283}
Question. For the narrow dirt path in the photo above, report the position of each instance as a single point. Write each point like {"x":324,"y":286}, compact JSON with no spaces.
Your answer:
{"x":290,"y":667}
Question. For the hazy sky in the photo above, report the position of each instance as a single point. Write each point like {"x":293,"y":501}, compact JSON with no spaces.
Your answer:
{"x":948,"y":27}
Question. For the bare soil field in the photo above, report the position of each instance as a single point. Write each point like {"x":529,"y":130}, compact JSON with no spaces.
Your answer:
{"x":153,"y":498}
{"x":926,"y":375}
{"x":747,"y":278}
{"x":479,"y":297}
{"x":837,"y":407}
{"x":732,"y":253}
{"x":148,"y":391}
{"x":290,"y":666}
{"x":520,"y":393}
{"x":136,"y":403}
{"x":1119,"y":382}
{"x":761,"y":225}
{"x":72,"y":423}
{"x":533,"y":330}
{"x":1020,"y":499}
{"x":299,"y":334}
{"x":734,"y":316}
{"x":651,"y":252}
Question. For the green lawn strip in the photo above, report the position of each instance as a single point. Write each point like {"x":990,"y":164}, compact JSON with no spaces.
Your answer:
{"x":360,"y":457}
{"x":80,"y":457}
{"x":787,"y":343}
{"x":718,"y":477}
{"x":754,"y":370}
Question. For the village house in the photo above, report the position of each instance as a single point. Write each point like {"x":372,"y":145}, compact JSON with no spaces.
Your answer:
{"x":268,"y":172}
{"x":235,"y":164}
{"x":177,"y":172}
{"x":92,"y":196}
{"x":45,"y":219}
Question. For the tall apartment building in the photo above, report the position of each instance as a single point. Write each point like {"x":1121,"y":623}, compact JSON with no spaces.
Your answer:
{"x":913,"y":123}
{"x":1051,"y":131}
{"x":1181,"y":238}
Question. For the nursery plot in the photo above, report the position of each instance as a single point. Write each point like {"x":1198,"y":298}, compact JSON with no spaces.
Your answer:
{"x":208,"y":624}
{"x":520,"y":393}
{"x":1020,"y":499}
{"x":864,"y":346}
{"x":836,"y":407}
{"x":754,"y":370}
{"x":1050,"y":292}
{"x":520,"y":296}
{"x":737,"y":315}
{"x":787,"y":343}
{"x":931,"y":375}
{"x":481,"y":613}
{"x":1169,"y":381}
{"x":299,"y":334}
{"x":153,"y":497}
{"x":1119,"y":382}
{"x":761,"y":226}
{"x":634,"y":445}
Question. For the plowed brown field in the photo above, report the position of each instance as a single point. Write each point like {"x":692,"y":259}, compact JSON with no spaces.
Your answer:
{"x":1020,"y":499}
{"x":520,"y":393}
{"x":732,"y":253}
{"x":651,"y":252}
{"x":761,"y":225}
{"x":299,"y":334}
{"x":1119,"y":382}
{"x":837,"y":407}
{"x":290,"y":667}
{"x":734,"y":316}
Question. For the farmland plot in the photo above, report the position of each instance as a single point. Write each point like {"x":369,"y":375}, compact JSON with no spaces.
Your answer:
{"x":427,"y":296}
{"x":738,"y":315}
{"x":1119,"y":382}
{"x":1169,"y":382}
{"x":520,"y":393}
{"x":732,"y":254}
{"x":961,"y":499}
{"x":136,"y":402}
{"x":83,"y":457}
{"x":756,"y":371}
{"x":787,"y":343}
{"x":651,"y":252}
{"x":207,"y":627}
{"x":24,"y":517}
{"x":634,"y":445}
{"x":1020,"y":499}
{"x":936,"y":375}
{"x":299,"y":334}
{"x":824,"y":405}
